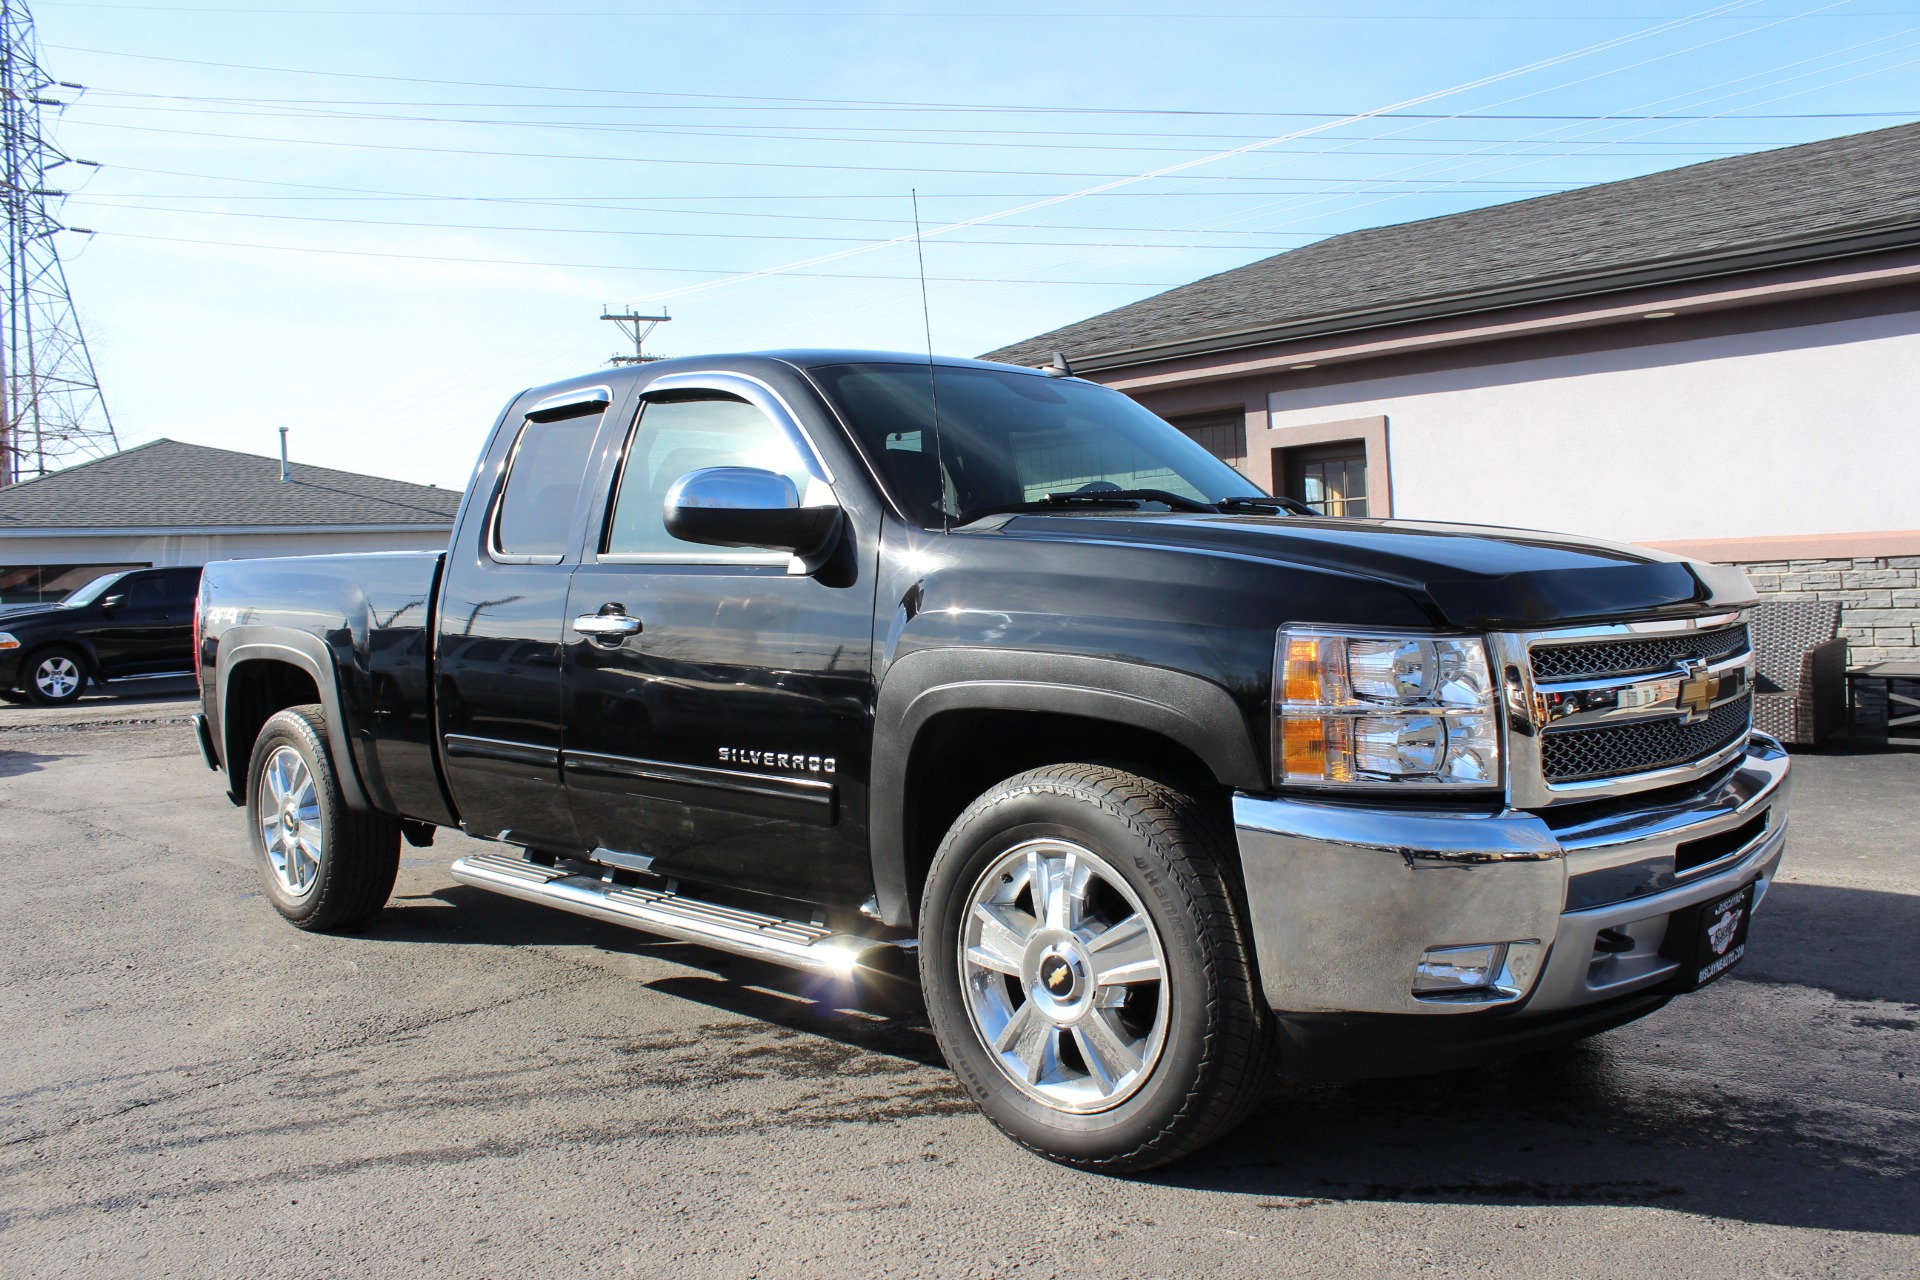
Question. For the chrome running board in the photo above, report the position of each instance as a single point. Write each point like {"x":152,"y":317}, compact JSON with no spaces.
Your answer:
{"x":797,"y":945}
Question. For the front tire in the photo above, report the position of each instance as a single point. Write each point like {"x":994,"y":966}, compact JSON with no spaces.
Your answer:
{"x":54,"y":677}
{"x":325,"y":866}
{"x":1085,"y":969}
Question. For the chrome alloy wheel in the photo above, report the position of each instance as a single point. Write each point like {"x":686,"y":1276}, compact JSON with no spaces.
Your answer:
{"x":289,"y":815}
{"x":1064,"y":976}
{"x":56,"y":676}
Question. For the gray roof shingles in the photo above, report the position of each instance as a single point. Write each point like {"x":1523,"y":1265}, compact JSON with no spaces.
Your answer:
{"x":1792,"y":195}
{"x":167,"y":484}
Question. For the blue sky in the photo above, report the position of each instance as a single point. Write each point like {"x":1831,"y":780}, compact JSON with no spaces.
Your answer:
{"x":373,"y":223}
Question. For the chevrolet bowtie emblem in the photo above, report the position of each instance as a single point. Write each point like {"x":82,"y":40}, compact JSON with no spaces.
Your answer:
{"x":1695,"y":698}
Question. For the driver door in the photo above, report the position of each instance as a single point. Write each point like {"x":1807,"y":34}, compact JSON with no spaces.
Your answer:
{"x":727,"y":737}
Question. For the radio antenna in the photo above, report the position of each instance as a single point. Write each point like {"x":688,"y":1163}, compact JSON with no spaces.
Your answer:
{"x":933,"y":383}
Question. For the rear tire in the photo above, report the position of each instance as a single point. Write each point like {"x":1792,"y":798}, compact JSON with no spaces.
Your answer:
{"x":1086,"y":972}
{"x":325,"y":866}
{"x":54,"y":677}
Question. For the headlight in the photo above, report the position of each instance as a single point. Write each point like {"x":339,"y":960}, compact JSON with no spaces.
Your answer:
{"x":7,"y":641}
{"x":1383,"y":710}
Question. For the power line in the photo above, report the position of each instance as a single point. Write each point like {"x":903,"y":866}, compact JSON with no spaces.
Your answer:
{"x":636,"y":232}
{"x":696,"y":101}
{"x":231,"y":100}
{"x":96,"y":91}
{"x":779,"y":134}
{"x":560,"y":201}
{"x":1169,"y":15}
{"x":121,"y":199}
{"x":1185,"y":165}
{"x":1296,"y":201}
{"x":53,"y":411}
{"x":1293,"y":198}
{"x":613,"y":266}
{"x":714,"y":164}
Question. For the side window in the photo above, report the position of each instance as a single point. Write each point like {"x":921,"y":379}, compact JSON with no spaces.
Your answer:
{"x":543,"y":482}
{"x":674,"y":437}
{"x":143,"y":591}
{"x":179,"y":588}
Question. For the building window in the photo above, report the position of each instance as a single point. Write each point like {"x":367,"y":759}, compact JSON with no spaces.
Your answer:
{"x":47,"y":583}
{"x":1330,"y":478}
{"x":1222,"y":434}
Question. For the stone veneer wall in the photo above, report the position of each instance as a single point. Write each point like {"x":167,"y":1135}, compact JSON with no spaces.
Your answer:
{"x":1879,"y":600}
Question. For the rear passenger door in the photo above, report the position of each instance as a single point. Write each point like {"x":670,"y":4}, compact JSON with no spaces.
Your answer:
{"x":727,"y":738}
{"x":498,"y":652}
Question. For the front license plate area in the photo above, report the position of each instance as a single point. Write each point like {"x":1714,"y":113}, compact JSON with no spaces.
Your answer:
{"x":1709,"y":939}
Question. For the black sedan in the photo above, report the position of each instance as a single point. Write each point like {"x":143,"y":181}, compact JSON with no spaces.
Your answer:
{"x":134,"y":625}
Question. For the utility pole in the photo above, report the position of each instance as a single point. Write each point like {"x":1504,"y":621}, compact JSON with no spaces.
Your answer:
{"x":51,"y":408}
{"x":630,"y":324}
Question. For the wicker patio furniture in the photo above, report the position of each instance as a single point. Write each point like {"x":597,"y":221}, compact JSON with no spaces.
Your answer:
{"x":1800,"y":691}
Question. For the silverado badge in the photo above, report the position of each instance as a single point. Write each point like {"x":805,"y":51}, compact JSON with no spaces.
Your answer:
{"x":797,"y":761}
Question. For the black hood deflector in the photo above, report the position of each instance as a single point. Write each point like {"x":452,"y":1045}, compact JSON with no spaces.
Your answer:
{"x":1547,"y":597}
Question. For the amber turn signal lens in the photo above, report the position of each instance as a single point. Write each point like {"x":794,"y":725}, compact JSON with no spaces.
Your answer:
{"x":1304,"y":748}
{"x":1304,"y":677}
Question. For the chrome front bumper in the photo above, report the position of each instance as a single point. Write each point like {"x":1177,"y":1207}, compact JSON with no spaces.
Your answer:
{"x":1345,"y":898}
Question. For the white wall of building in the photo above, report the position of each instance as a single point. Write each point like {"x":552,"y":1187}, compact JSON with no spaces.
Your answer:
{"x":162,"y":549}
{"x":1809,"y":430}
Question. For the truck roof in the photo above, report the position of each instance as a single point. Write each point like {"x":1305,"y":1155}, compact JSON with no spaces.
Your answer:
{"x":798,"y":357}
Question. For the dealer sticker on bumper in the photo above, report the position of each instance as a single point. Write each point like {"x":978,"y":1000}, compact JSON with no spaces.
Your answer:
{"x":1723,"y":935}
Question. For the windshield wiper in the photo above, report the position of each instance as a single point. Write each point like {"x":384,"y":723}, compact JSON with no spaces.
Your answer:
{"x":1175,"y":501}
{"x":1091,"y":498}
{"x":1242,"y":503}
{"x":1134,"y":497}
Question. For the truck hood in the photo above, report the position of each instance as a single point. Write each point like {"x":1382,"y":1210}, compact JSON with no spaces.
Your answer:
{"x":1468,"y":576}
{"x":18,"y":613}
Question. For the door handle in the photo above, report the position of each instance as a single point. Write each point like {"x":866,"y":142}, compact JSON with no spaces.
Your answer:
{"x":607,"y":626}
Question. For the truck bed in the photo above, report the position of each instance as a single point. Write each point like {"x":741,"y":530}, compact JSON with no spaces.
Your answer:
{"x":370,"y":617}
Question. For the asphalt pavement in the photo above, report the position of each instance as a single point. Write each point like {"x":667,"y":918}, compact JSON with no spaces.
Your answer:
{"x":477,"y":1087}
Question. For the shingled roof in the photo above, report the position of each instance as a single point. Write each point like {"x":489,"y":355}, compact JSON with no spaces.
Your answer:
{"x":1820,"y":199}
{"x":170,"y":485}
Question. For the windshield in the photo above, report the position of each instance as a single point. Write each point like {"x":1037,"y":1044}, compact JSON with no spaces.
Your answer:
{"x":92,"y":591}
{"x":1011,"y":438}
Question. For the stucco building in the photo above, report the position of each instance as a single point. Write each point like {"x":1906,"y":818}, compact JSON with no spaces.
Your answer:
{"x":168,"y":503}
{"x":1721,"y":360}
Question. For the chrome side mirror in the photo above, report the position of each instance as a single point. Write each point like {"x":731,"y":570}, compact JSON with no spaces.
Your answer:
{"x":748,"y":507}
{"x":115,"y":601}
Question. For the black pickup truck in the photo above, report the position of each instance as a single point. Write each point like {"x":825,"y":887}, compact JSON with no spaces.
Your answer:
{"x":873,"y":666}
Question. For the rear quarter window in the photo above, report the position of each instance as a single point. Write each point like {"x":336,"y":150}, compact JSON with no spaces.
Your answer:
{"x":536,"y":506}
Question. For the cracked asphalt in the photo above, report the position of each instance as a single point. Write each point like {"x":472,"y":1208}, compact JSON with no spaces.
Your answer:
{"x":476,"y":1087}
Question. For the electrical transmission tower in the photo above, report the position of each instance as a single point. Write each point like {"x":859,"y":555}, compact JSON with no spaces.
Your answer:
{"x":630,"y":324}
{"x":53,"y":410}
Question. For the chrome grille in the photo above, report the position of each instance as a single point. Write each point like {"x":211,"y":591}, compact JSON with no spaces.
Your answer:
{"x":1573,"y":755}
{"x":1635,"y":656}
